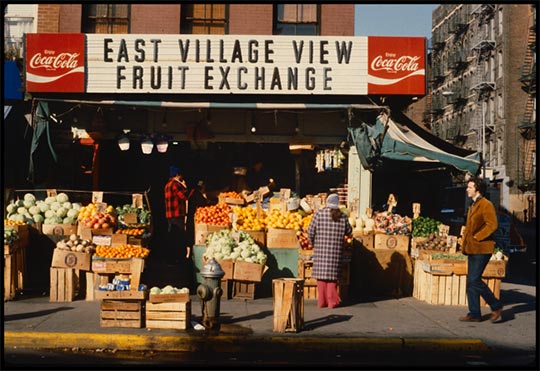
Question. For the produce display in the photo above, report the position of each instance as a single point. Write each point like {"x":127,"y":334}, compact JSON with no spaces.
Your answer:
{"x":390,"y":223}
{"x":53,"y":210}
{"x":168,"y":290}
{"x":231,"y":194}
{"x":214,"y":215}
{"x":143,"y":214}
{"x":436,"y":256}
{"x":246,"y":219}
{"x":433,"y":242}
{"x":10,"y":236}
{"x":424,"y":226}
{"x":304,"y":240}
{"x":74,"y":243}
{"x":121,"y":251}
{"x":132,"y":231}
{"x":235,"y":245}
{"x":288,"y":220}
{"x":13,"y":222}
{"x":99,"y":220}
{"x":364,"y":224}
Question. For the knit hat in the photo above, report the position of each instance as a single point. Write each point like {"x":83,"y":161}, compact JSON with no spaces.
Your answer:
{"x":333,"y":201}
{"x":173,"y":170}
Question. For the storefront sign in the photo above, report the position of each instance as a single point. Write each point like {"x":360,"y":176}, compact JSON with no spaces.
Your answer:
{"x":55,"y":63}
{"x":239,"y":64}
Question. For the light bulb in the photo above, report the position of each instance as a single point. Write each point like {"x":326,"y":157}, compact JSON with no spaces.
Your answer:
{"x":123,"y":143}
{"x":147,"y":146}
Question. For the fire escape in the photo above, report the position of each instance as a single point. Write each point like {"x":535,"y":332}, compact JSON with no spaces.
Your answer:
{"x":527,"y":124}
{"x":483,"y":83}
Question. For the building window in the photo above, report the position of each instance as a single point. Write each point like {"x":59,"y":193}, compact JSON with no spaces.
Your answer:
{"x":204,"y":19}
{"x":296,"y":19}
{"x":105,"y":18}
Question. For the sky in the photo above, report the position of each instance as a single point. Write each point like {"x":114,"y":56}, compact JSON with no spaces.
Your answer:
{"x":393,"y":20}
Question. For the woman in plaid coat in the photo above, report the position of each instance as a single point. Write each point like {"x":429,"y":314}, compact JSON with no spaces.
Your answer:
{"x":326,"y":233}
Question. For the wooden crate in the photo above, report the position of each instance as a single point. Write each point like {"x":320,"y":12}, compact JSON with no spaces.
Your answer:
{"x":121,"y":313}
{"x":10,"y":276}
{"x":227,"y":288}
{"x":245,"y":271}
{"x":243,"y":290}
{"x":168,"y":315}
{"x":305,"y":267}
{"x":288,"y":299}
{"x":310,"y":292}
{"x":392,"y":242}
{"x":447,"y":289}
{"x":63,"y":284}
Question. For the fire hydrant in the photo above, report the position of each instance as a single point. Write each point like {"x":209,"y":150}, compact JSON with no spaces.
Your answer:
{"x":210,"y":293}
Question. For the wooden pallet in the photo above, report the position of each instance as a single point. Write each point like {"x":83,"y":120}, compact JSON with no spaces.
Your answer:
{"x":171,"y":315}
{"x":121,"y":313}
{"x":288,"y":295}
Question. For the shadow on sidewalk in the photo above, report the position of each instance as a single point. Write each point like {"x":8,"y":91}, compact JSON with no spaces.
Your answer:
{"x":325,"y":321}
{"x":19,"y":316}
{"x":260,"y":315}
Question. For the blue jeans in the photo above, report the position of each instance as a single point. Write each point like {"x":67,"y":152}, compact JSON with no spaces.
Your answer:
{"x":476,"y":287}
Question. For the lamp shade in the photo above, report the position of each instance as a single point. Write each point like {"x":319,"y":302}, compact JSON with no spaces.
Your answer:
{"x":162,"y":146}
{"x":147,"y":146}
{"x":123,"y":143}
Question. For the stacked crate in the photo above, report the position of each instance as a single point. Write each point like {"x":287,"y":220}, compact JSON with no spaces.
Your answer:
{"x":120,"y":308}
{"x":168,"y":311}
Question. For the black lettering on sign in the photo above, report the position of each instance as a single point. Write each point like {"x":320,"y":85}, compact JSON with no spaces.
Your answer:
{"x":156,"y":48}
{"x":268,"y":51}
{"x":183,"y":50}
{"x":253,"y":52}
{"x":224,"y":75}
{"x":324,"y":52}
{"x":207,"y":77}
{"x":155,"y":77}
{"x":241,"y":85}
{"x":276,"y":79}
{"x":122,"y":52}
{"x":326,"y":78}
{"x":310,"y":80}
{"x":107,"y":50}
{"x":183,"y":70}
{"x":237,"y":52}
{"x":343,"y":51}
{"x":298,"y":49}
{"x":137,"y":77}
{"x":119,"y":76}
{"x":141,"y":56}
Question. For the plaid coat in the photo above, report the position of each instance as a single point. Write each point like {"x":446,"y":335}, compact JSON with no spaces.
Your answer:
{"x":175,"y":199}
{"x":327,"y":238}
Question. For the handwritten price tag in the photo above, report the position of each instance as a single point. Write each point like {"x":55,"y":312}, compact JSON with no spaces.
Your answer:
{"x":97,"y":197}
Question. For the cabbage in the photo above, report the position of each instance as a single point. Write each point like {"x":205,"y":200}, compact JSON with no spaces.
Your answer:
{"x":50,"y":199}
{"x":155,"y":290}
{"x":55,"y":205}
{"x":19,"y":203}
{"x":49,"y":214}
{"x":34,"y":210}
{"x":43,"y":206}
{"x":62,"y":197}
{"x":38,"y":218}
{"x":68,"y":220}
{"x":66,"y":205}
{"x":28,"y":204}
{"x":29,"y":197}
{"x":11,"y":208}
{"x":61,"y":212}
{"x":21,"y":210}
{"x":76,"y":205}
{"x":72,"y":213}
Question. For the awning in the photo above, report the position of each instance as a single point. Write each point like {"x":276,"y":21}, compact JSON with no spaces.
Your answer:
{"x":406,"y":141}
{"x":230,"y":105}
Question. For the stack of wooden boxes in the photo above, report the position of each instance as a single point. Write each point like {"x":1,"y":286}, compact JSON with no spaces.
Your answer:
{"x":15,"y":261}
{"x":168,"y":311}
{"x":67,"y":268}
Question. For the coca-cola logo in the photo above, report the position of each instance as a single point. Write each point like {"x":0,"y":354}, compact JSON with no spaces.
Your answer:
{"x":54,"y":62}
{"x":393,"y":64}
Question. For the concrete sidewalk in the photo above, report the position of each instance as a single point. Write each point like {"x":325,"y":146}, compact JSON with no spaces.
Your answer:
{"x":403,"y":323}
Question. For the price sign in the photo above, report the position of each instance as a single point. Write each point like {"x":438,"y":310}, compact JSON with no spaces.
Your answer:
{"x":51,"y":193}
{"x":130,"y":218}
{"x":369,"y":212}
{"x":137,"y":200}
{"x":416,"y":209}
{"x":392,"y":202}
{"x":97,"y":197}
{"x":101,"y":207}
{"x":444,"y":229}
{"x":284,"y":194}
{"x":235,"y":236}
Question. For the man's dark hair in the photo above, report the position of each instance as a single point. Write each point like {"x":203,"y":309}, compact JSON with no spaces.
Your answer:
{"x":479,"y":184}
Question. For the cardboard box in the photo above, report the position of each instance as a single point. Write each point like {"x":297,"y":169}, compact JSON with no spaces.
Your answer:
{"x":244,"y":271}
{"x":59,"y":229}
{"x":258,"y":236}
{"x":71,"y":259}
{"x":366,"y":240}
{"x":281,"y":238}
{"x":203,"y":230}
{"x":392,"y":242}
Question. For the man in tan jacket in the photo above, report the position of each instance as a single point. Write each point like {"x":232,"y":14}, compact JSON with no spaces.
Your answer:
{"x":478,"y":244}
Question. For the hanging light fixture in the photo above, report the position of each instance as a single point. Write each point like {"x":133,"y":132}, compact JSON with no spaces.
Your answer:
{"x":162,"y":145}
{"x":123,"y":143}
{"x":147,"y":146}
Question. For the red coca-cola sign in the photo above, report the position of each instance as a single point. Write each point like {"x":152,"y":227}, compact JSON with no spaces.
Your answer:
{"x":55,"y":63}
{"x":396,"y":65}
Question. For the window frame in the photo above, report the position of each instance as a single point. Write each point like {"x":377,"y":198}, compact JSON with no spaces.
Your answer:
{"x":188,"y":21}
{"x":85,"y":18}
{"x":275,"y":21}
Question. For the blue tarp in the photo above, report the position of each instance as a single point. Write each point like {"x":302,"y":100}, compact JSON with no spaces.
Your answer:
{"x":406,"y":141}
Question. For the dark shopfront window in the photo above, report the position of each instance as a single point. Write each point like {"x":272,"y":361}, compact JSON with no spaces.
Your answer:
{"x":296,"y":19}
{"x":106,"y":18}
{"x":207,"y":19}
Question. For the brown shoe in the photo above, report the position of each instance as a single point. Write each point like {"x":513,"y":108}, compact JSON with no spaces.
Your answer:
{"x":495,"y":315}
{"x":468,"y":318}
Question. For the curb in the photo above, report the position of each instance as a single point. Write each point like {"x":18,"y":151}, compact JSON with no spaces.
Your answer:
{"x":209,"y":343}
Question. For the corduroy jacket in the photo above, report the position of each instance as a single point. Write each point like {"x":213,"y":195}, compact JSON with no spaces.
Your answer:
{"x":480,"y":227}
